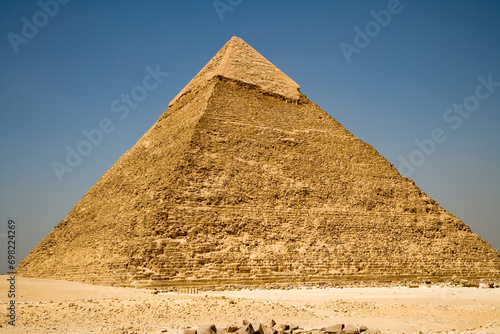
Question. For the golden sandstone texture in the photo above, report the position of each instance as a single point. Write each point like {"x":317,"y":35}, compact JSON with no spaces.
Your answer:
{"x":244,"y":180}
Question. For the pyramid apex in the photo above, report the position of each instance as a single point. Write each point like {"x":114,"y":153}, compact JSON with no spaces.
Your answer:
{"x":236,"y":39}
{"x":239,"y":61}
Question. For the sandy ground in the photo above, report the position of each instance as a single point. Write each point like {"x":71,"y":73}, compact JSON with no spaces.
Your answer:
{"x":51,"y":306}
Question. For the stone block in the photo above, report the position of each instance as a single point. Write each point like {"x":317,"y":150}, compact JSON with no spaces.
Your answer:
{"x":207,"y":329}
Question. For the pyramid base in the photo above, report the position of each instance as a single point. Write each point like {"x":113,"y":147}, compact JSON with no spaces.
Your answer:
{"x":126,"y":280}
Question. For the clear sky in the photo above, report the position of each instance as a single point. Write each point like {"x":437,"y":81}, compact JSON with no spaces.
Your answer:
{"x":391,"y":72}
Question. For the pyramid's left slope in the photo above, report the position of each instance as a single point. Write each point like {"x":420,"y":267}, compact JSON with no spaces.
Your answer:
{"x":93,"y":242}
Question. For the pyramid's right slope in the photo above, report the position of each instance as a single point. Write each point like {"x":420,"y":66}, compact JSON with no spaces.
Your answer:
{"x":243,"y":179}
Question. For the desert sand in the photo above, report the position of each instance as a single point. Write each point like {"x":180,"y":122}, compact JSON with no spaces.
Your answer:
{"x":57,"y":306}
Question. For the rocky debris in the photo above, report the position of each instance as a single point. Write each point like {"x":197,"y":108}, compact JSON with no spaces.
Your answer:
{"x":350,"y":329}
{"x":417,"y":283}
{"x":208,"y":329}
{"x":247,"y":328}
{"x":272,"y":328}
{"x":333,"y":329}
{"x":487,"y":285}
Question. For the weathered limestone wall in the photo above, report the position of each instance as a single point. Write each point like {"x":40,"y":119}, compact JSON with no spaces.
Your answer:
{"x":235,"y":184}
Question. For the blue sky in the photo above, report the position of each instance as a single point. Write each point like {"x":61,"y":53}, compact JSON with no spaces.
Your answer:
{"x":61,"y":78}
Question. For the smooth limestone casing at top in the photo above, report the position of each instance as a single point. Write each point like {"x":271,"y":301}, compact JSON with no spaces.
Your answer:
{"x":244,"y":180}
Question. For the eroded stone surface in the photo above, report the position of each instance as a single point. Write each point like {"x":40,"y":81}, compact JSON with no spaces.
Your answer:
{"x":238,"y":60}
{"x":236,"y":185}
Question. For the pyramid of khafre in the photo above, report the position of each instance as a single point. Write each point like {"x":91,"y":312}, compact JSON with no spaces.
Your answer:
{"x":244,"y":180}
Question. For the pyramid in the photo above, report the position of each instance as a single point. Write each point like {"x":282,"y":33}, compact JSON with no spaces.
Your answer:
{"x":244,"y":180}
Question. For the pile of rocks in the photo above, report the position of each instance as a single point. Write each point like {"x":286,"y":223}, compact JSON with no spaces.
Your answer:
{"x":273,"y":328}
